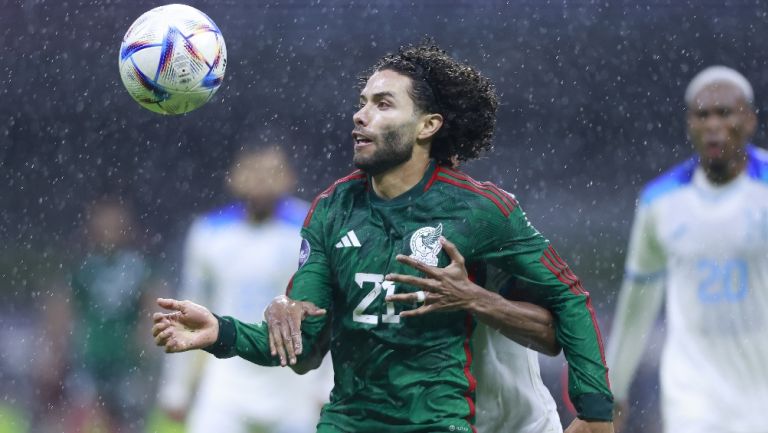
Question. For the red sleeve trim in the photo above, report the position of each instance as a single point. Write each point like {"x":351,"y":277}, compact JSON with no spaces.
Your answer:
{"x":508,"y":198}
{"x":289,"y":287}
{"x":502,"y":199}
{"x":357,"y":174}
{"x":560,"y":269}
{"x":469,"y":396}
{"x":490,"y":197}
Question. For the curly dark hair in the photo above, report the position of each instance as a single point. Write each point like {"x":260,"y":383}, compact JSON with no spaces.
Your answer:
{"x":465,"y":98}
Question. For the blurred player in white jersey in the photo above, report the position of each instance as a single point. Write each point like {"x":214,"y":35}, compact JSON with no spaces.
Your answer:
{"x":700,"y":241}
{"x":235,"y":257}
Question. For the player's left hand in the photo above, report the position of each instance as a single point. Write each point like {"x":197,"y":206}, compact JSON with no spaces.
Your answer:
{"x":581,"y":426}
{"x":189,"y":326}
{"x":444,"y":289}
{"x":284,"y":317}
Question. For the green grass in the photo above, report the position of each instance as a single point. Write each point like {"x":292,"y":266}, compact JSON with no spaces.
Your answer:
{"x":12,"y":420}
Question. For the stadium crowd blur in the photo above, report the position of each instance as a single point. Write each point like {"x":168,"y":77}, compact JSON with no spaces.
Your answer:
{"x":592,"y":109}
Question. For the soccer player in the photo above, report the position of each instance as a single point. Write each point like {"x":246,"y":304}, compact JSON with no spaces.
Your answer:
{"x":506,"y":369}
{"x":110,"y":288}
{"x":236,"y":258}
{"x":701,"y":233}
{"x":419,"y":109}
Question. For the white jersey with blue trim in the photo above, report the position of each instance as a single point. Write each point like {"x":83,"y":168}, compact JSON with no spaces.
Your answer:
{"x":702,"y":248}
{"x":236,"y":267}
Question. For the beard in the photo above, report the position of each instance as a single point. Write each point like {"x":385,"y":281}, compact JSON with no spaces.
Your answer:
{"x":393,"y":148}
{"x":719,"y":170}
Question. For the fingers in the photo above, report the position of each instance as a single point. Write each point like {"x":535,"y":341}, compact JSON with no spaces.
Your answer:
{"x":159,"y":317}
{"x":422,"y":283}
{"x":407,"y":298}
{"x":272,"y":349}
{"x":160,"y":326}
{"x":162,"y":333}
{"x":276,"y":340}
{"x":421,"y":267}
{"x":288,"y":338}
{"x":424,"y":309}
{"x":453,"y":252}
{"x":170,"y":304}
{"x":161,"y":338}
{"x":311,"y":309}
{"x":294,"y":326}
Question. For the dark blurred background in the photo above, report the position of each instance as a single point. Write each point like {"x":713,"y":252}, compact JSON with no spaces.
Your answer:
{"x":592,"y":108}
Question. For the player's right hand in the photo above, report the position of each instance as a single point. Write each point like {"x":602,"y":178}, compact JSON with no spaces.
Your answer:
{"x":189,"y":326}
{"x":284,"y":317}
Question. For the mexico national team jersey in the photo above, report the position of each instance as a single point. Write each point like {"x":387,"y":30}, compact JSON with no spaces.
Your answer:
{"x":416,"y":375}
{"x":708,"y":246}
{"x":107,"y":291}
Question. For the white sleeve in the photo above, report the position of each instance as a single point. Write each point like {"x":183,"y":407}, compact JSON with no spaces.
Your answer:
{"x":182,"y":370}
{"x":638,"y":304}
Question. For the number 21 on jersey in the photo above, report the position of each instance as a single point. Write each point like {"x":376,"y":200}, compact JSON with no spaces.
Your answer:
{"x":377,"y":281}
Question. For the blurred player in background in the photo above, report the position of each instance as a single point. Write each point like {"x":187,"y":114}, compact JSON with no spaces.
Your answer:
{"x":105,"y":375}
{"x":700,"y":241}
{"x":419,"y":109}
{"x":238,"y":259}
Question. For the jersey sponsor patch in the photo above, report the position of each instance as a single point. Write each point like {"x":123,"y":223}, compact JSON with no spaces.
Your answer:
{"x":304,"y":252}
{"x":425,"y":244}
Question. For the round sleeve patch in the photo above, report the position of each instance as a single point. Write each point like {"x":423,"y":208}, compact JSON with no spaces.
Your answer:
{"x":304,"y":252}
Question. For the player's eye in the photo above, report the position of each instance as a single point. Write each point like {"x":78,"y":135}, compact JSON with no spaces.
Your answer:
{"x":702,"y":114}
{"x":724,"y":112}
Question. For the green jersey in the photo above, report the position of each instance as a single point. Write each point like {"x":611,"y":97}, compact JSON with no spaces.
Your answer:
{"x":107,"y":290}
{"x":415,"y":375}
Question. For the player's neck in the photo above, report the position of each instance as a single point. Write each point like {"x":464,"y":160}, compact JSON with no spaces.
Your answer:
{"x":258,"y":213}
{"x":402,"y":178}
{"x":721,"y":175}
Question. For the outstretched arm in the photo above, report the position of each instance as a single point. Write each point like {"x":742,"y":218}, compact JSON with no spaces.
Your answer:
{"x":191,"y":326}
{"x":639,"y":302}
{"x":450,"y":289}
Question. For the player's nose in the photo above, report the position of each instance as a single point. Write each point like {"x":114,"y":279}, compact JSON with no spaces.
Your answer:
{"x":360,"y":118}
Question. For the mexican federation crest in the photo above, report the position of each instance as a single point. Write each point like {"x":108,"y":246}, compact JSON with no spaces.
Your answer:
{"x":425,"y":244}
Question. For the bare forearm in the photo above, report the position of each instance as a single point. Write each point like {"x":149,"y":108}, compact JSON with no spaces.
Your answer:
{"x":527,"y":324}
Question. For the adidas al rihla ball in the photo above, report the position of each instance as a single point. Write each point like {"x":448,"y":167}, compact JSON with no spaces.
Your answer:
{"x":172,"y":59}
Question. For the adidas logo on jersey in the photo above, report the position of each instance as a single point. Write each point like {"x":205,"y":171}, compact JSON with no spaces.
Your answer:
{"x":348,"y":240}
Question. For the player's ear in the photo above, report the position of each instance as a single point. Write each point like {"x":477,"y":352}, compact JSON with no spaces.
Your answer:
{"x":430,"y":124}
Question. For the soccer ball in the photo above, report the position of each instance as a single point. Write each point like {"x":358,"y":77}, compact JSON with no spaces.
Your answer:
{"x":172,"y":59}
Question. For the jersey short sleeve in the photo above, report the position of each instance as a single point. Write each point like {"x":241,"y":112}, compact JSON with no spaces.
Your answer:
{"x":645,"y":257}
